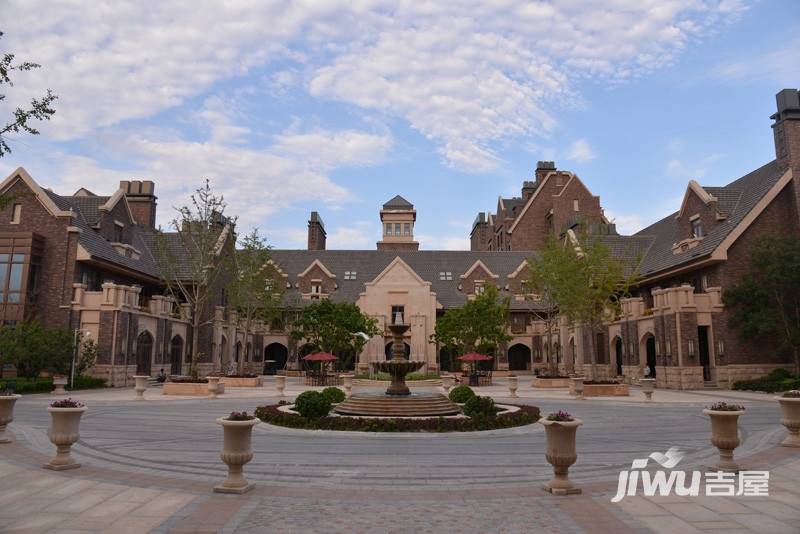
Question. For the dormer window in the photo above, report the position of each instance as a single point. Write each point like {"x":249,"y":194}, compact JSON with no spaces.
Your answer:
{"x":697,"y":227}
{"x":445,"y":275}
{"x":119,"y":229}
{"x":16,"y":213}
{"x":480,"y":287}
{"x":316,"y":288}
{"x":350,"y":275}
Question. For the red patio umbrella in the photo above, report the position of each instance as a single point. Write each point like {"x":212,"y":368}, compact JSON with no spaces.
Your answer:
{"x":320,"y":357}
{"x":475,"y":357}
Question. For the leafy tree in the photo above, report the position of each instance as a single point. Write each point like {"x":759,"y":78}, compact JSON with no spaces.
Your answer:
{"x":191,"y":260}
{"x":479,"y":325}
{"x":537,"y":284}
{"x":765,"y":303}
{"x":334,"y":327}
{"x":40,"y":108}
{"x":256,"y":285}
{"x":32,"y":349}
{"x":584,"y":281}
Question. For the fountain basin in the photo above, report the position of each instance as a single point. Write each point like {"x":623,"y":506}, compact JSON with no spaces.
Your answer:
{"x":411,"y":405}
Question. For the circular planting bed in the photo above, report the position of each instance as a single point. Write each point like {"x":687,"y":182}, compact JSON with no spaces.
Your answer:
{"x":508,"y":416}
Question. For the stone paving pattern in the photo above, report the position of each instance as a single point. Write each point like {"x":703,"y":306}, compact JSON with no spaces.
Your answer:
{"x":149,"y":467}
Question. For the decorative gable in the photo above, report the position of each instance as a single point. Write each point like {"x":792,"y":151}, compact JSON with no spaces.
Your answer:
{"x":316,"y":282}
{"x":475,"y":279}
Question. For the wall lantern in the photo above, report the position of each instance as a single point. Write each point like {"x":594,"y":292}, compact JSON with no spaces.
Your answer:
{"x":691,"y":348}
{"x":720,"y":348}
{"x":630,"y":349}
{"x":658,"y":348}
{"x":668,"y":347}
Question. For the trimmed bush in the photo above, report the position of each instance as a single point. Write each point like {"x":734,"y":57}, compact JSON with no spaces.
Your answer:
{"x":88,"y":382}
{"x":776,"y":381}
{"x":334,"y":394}
{"x":527,"y":415}
{"x":480,"y":407}
{"x":28,"y":385}
{"x":461,"y":394}
{"x":312,"y":405}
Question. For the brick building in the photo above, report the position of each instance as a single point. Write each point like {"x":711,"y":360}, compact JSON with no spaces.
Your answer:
{"x":84,"y":262}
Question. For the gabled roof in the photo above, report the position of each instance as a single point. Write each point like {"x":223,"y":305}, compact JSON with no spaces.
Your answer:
{"x":398,"y":203}
{"x":701,"y":193}
{"x":737,"y":199}
{"x":21,"y":174}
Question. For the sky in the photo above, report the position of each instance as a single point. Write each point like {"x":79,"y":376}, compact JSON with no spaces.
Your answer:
{"x":337,"y":106}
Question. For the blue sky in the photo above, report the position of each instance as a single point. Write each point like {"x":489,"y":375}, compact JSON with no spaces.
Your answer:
{"x":335,"y":106}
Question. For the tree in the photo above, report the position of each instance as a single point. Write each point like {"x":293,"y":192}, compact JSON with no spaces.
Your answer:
{"x":481,"y":324}
{"x":765,"y":303}
{"x":544,"y":295}
{"x":191,"y":259}
{"x":40,"y":108}
{"x":256,"y":286}
{"x":334,"y":327}
{"x":584,"y":281}
{"x":32,"y":349}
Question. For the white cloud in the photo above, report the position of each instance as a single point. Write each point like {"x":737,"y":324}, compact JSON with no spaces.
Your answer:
{"x":443,"y":242}
{"x":360,"y":235}
{"x":778,"y":66}
{"x":627,"y":223}
{"x":580,"y":151}
{"x":467,"y":75}
{"x":327,"y":149}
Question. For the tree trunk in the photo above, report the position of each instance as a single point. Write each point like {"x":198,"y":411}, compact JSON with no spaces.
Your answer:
{"x":195,"y":342}
{"x":797,"y":361}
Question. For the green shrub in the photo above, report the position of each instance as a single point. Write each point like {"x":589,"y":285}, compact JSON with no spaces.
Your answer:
{"x":461,"y":394}
{"x":28,"y":385}
{"x":88,"y":382}
{"x":334,"y":394}
{"x":480,"y":407}
{"x":777,"y":380}
{"x":312,"y":405}
{"x":526,"y":415}
{"x":778,"y":375}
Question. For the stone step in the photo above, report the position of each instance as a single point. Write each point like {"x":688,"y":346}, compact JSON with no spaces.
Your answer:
{"x":710,"y":385}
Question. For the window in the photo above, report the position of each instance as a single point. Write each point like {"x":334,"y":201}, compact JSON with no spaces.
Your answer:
{"x":480,"y":287}
{"x":397,"y":229}
{"x":398,"y":314}
{"x":697,"y":228}
{"x":11,"y":266}
{"x":445,"y":275}
{"x":118,"y":232}
{"x":33,"y":278}
{"x":704,"y":282}
{"x":388,"y":228}
{"x":350,"y":275}
{"x":575,"y":206}
{"x":407,"y":229}
{"x":16,"y":213}
{"x":316,"y":288}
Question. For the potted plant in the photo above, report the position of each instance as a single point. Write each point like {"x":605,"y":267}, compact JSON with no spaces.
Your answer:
{"x":447,"y":383}
{"x":60,"y":382}
{"x":7,"y":401}
{"x":560,"y":428}
{"x":236,"y":451}
{"x":725,"y":432}
{"x":347,"y":382}
{"x":513,"y":383}
{"x":141,"y":385}
{"x":577,"y":384}
{"x":280,"y":384}
{"x":65,"y":422}
{"x":790,"y":417}
{"x":648,"y":385}
{"x":213,"y":386}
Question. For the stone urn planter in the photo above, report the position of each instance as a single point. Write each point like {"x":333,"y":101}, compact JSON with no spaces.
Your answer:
{"x":561,"y":454}
{"x":725,"y":436}
{"x":280,"y":384}
{"x":60,"y":382}
{"x":64,"y":431}
{"x":447,"y":383}
{"x":578,"y":386}
{"x":790,"y":418}
{"x":213,"y":386}
{"x":7,"y":403}
{"x":347,"y":382}
{"x":236,"y":451}
{"x":141,"y":385}
{"x":648,"y":386}
{"x":513,"y":384}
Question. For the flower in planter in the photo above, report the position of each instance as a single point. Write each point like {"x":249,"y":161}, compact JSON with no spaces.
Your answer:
{"x":66,"y":403}
{"x":723,"y":406}
{"x":560,"y":415}
{"x":793,"y":394}
{"x":240,"y":416}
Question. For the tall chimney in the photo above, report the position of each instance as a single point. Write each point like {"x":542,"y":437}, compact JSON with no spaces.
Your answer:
{"x":542,"y":168}
{"x":142,"y":201}
{"x":316,"y":232}
{"x":786,"y":131}
{"x":528,"y":189}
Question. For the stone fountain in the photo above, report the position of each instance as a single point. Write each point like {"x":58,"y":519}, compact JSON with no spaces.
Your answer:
{"x":398,"y":400}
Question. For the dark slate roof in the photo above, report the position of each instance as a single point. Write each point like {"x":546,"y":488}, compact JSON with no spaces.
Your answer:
{"x":736,"y":200}
{"x":630,"y":249}
{"x":512,"y":203}
{"x":368,"y":264}
{"x":398,"y":203}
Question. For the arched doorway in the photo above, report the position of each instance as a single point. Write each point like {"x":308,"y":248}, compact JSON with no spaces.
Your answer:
{"x":175,"y":351}
{"x":519,"y":358}
{"x":238,"y":354}
{"x":445,"y":359}
{"x":650,"y":347}
{"x":388,"y":350}
{"x":223,"y":352}
{"x":618,"y":354}
{"x":277,"y":353}
{"x":144,"y":353}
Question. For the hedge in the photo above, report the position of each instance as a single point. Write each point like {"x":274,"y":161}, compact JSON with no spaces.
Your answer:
{"x":525,"y":416}
{"x":777,"y":380}
{"x":45,"y":385}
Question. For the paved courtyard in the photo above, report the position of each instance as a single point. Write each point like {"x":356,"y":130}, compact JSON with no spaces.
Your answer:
{"x":150,"y":466}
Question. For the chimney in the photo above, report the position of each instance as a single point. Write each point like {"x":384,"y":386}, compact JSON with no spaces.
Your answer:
{"x":786,"y":131}
{"x":316,"y":232}
{"x":542,"y":168}
{"x":142,"y":201}
{"x":528,"y":189}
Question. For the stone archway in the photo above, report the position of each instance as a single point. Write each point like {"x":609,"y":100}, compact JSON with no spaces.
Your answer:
{"x":618,"y":352}
{"x":648,"y":341}
{"x":278,"y":353}
{"x":175,"y":351}
{"x":144,"y":353}
{"x":519,"y":358}
{"x":446,"y":359}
